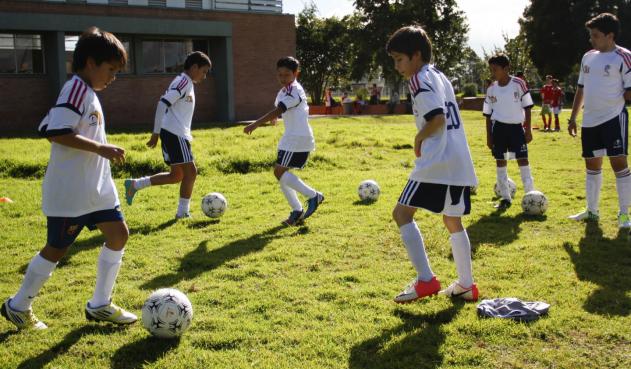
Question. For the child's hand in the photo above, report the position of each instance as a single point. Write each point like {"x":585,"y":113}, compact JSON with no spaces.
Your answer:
{"x":528,"y":135}
{"x":571,"y":127}
{"x":250,"y":128}
{"x":112,"y":153}
{"x":489,"y":142}
{"x":153,"y":141}
{"x":273,"y":122}
{"x":417,"y":147}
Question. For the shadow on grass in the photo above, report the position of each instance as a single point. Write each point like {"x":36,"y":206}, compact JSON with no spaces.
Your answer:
{"x":66,"y":344}
{"x":364,"y":202}
{"x":607,"y":263}
{"x":202,"y":223}
{"x":142,"y":352}
{"x":201,"y":260}
{"x":413,"y":344}
{"x":5,"y":335}
{"x":498,"y":229}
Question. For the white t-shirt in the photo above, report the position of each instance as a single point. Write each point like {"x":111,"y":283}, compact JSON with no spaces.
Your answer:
{"x":298,"y":136}
{"x":180,"y":99}
{"x":77,"y":182}
{"x":506,"y":104}
{"x":445,"y":156}
{"x":604,"y":78}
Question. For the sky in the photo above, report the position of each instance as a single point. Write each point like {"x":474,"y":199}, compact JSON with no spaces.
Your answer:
{"x":483,"y":33}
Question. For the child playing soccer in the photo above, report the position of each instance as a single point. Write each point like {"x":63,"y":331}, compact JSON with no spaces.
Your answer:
{"x":78,"y":189}
{"x":507,"y":109}
{"x":557,"y":103}
{"x":443,"y":173}
{"x":173,"y":126}
{"x":297,"y":141}
{"x":546,"y":104}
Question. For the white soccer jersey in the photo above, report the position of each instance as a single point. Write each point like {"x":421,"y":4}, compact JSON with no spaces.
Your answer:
{"x":298,"y":136}
{"x":180,"y":99}
{"x":604,"y":78}
{"x":506,"y":104}
{"x":445,"y":156}
{"x":77,"y":182}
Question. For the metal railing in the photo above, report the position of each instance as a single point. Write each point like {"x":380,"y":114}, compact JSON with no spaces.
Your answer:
{"x":258,"y":6}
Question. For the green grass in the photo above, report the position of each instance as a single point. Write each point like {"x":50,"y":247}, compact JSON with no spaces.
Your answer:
{"x":319,"y":296}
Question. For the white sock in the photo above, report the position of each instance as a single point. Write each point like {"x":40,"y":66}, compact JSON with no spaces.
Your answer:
{"x":37,"y":273}
{"x":502,"y":183}
{"x":461,"y":250}
{"x":593,"y":182}
{"x":623,"y":185}
{"x":183,"y":206}
{"x":413,"y":241}
{"x":526,"y":178}
{"x":109,"y":263}
{"x":142,"y":182}
{"x":289,"y":179}
{"x":291,"y":196}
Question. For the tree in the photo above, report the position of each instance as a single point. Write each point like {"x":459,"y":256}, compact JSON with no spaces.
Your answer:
{"x":470,"y":68}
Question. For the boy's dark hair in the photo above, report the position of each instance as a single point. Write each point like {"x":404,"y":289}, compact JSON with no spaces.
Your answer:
{"x":99,"y":45}
{"x":288,"y":62}
{"x":408,"y":40}
{"x":196,"y":58}
{"x":605,"y":23}
{"x":500,"y":60}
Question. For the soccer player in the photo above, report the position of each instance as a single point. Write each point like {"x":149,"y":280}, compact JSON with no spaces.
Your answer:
{"x":507,"y":109}
{"x":443,"y":172}
{"x":297,"y":141}
{"x":546,"y":104}
{"x":172,"y":125}
{"x":78,"y":189}
{"x":557,"y":103}
{"x":604,"y":83}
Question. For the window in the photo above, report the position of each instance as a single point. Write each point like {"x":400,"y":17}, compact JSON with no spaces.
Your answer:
{"x":21,"y":54}
{"x":71,"y":43}
{"x":168,"y":56}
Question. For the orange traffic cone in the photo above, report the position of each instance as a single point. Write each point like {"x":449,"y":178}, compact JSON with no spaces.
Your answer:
{"x":5,"y":199}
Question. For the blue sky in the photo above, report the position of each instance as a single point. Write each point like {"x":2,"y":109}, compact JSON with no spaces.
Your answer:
{"x":483,"y":34}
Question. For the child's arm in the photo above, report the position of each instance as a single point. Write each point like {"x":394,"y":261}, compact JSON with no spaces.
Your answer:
{"x":432,"y":126}
{"x":527,"y":129}
{"x":161,"y":110}
{"x":576,"y":106}
{"x":110,"y":152}
{"x":272,"y":115}
{"x":489,"y":134}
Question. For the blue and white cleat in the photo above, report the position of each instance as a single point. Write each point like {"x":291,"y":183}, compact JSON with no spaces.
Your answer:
{"x":130,"y":191}
{"x":313,"y":203}
{"x":21,"y":319}
{"x":295,"y":218}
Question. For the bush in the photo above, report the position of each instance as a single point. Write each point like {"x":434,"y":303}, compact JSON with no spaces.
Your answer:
{"x":470,"y":90}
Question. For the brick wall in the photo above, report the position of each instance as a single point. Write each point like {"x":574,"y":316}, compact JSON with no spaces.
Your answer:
{"x":258,"y":40}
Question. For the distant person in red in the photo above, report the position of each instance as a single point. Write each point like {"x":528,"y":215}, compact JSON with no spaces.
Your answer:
{"x":328,"y":102}
{"x":546,"y":104}
{"x":557,"y":103}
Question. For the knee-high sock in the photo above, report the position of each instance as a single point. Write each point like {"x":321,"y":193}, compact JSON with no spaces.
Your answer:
{"x":108,"y":266}
{"x":593,"y":182}
{"x":526,"y":178}
{"x":556,"y":121}
{"x":623,"y":185}
{"x":413,"y":241}
{"x":502,"y":183}
{"x":37,"y":273}
{"x":142,"y":182}
{"x":291,"y":196}
{"x":291,"y":180}
{"x":461,"y":250}
{"x":183,"y":206}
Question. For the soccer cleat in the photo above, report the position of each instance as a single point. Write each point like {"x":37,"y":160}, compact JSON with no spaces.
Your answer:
{"x":21,"y":319}
{"x":183,"y":216}
{"x":624,"y":221}
{"x":130,"y":191}
{"x":503,"y":204}
{"x":109,"y":313}
{"x":295,"y":218}
{"x":456,"y":290}
{"x":312,"y":204}
{"x":418,"y":289}
{"x":586,"y":215}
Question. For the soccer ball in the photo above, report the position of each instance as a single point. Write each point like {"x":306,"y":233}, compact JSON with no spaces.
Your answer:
{"x":368,"y":190}
{"x":214,"y":204}
{"x":534,"y":203}
{"x":511,"y":186}
{"x":167,"y":313}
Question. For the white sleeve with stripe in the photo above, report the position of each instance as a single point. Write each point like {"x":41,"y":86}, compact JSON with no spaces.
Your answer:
{"x":178,"y":88}
{"x":487,"y":108}
{"x":289,"y":99}
{"x":429,"y":103}
{"x":626,"y":70}
{"x":67,"y":113}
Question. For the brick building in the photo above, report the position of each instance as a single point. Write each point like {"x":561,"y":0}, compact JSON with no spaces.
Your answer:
{"x":243,"y":38}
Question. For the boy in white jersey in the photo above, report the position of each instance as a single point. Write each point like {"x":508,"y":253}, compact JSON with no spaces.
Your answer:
{"x":604,"y":83}
{"x":172,"y":125}
{"x":507,"y":109}
{"x":297,"y":141}
{"x":443,"y":173}
{"x":78,"y":189}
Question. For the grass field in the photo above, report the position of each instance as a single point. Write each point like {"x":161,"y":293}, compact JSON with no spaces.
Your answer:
{"x":319,"y":296}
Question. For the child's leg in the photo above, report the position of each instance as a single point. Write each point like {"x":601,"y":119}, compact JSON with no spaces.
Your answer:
{"x":556,"y":122}
{"x":502,"y":179}
{"x":290,"y":193}
{"x":189,"y":174}
{"x":461,"y":249}
{"x":593,"y":182}
{"x":413,"y":240}
{"x":623,"y":182}
{"x":176,"y":175}
{"x":526,"y":176}
{"x":291,"y":180}
{"x":109,"y":262}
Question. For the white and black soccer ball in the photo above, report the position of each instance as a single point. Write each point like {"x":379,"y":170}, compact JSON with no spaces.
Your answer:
{"x":214,"y":204}
{"x":368,"y":190}
{"x":511,"y":186}
{"x":534,"y":203}
{"x":167,"y":313}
